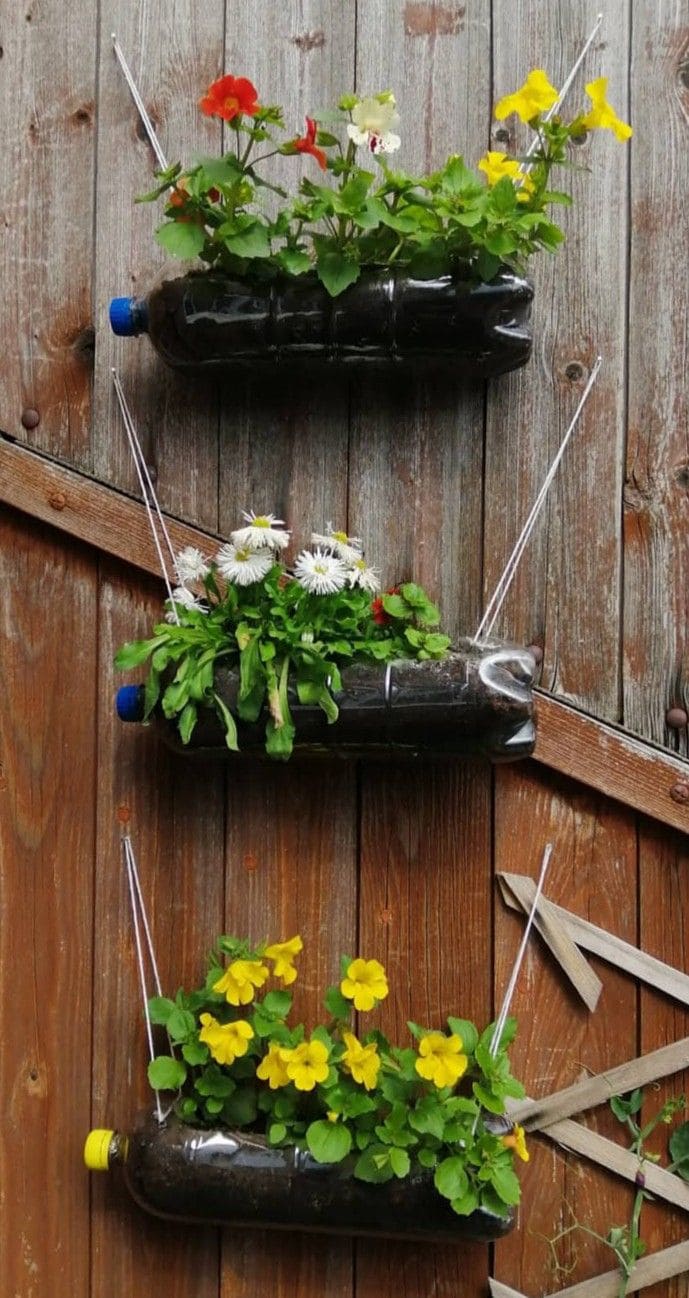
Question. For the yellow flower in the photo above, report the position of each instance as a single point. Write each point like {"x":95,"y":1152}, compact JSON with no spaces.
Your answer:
{"x":307,"y":1064}
{"x":534,"y":97}
{"x":283,"y":953}
{"x":363,"y":1062}
{"x":365,"y":984}
{"x":602,"y":113}
{"x":496,"y":165}
{"x":272,"y":1068}
{"x":441,"y":1059}
{"x":226,"y":1041}
{"x":239,"y":980}
{"x":332,"y":1116}
{"x":517,"y":1141}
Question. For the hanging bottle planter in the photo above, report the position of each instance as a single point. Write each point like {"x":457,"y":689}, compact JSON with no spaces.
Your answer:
{"x":274,"y":1127}
{"x":375,"y":266}
{"x":258,"y":656}
{"x":476,"y":702}
{"x":216,"y":320}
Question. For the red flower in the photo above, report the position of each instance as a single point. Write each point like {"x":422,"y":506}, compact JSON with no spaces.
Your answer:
{"x":307,"y":143}
{"x":230,"y":97}
{"x":378,"y":612}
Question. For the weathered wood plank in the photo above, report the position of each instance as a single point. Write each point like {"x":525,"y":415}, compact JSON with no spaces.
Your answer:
{"x":593,"y":868}
{"x":663,"y":905}
{"x":566,"y":595}
{"x":47,"y":95}
{"x":659,"y":1266}
{"x":291,"y":837}
{"x":47,"y":793}
{"x":174,"y":53}
{"x":177,"y":832}
{"x":656,"y":573}
{"x":425,"y":913}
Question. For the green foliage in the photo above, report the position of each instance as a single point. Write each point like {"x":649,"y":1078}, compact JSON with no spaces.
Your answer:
{"x":279,"y":636}
{"x":448,"y":222}
{"x":386,"y":1121}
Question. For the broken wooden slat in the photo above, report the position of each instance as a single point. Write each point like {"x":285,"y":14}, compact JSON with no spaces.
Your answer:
{"x":659,"y":1266}
{"x":535,"y":1115}
{"x":555,"y":934}
{"x":518,"y":891}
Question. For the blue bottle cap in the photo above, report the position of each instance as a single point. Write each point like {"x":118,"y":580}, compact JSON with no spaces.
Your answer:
{"x":124,"y":318}
{"x":129,"y":702}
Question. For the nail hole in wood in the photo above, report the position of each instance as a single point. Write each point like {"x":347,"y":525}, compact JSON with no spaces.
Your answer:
{"x":574,"y":371}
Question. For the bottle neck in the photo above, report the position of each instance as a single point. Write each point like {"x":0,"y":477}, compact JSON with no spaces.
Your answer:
{"x":118,"y":1149}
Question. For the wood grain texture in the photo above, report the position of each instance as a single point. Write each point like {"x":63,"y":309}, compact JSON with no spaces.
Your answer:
{"x":566,"y":595}
{"x":291,"y":833}
{"x":177,"y":833}
{"x":660,"y":1266}
{"x":47,"y":130}
{"x":174,"y":52}
{"x":593,"y":872}
{"x":424,"y":912}
{"x":656,"y":612}
{"x":664,"y":906}
{"x":47,"y":821}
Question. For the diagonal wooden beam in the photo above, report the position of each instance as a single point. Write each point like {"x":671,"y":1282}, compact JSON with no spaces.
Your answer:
{"x":664,"y":1265}
{"x":602,"y":756}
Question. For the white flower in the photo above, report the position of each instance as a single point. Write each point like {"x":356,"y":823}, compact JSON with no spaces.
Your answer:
{"x":373,"y":121}
{"x":190,"y":565}
{"x":360,"y":574}
{"x":345,"y":547}
{"x":320,"y":573}
{"x":181,"y":595}
{"x":263,"y":530}
{"x":242,"y":565}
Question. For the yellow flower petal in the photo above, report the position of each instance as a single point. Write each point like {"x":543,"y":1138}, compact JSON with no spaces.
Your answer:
{"x":273,"y":1068}
{"x":365,"y":983}
{"x":516,"y":1140}
{"x":533,"y":98}
{"x":602,"y":113}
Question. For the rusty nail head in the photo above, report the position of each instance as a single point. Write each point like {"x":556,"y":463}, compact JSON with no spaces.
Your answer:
{"x":680,"y":792}
{"x":30,"y":417}
{"x":676,"y":718}
{"x":57,"y":499}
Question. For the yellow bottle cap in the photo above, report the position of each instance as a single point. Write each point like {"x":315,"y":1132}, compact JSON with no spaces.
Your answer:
{"x":97,"y":1150}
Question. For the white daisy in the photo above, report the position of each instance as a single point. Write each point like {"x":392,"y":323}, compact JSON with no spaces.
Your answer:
{"x":263,"y":530}
{"x":373,"y":121}
{"x":360,"y":574}
{"x":243,"y":565}
{"x":345,"y":547}
{"x":190,"y":565}
{"x":320,"y":573}
{"x":184,"y":597}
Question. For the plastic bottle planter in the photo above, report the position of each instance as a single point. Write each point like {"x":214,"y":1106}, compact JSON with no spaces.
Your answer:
{"x":475,"y":702}
{"x":206,"y":320}
{"x":231,"y":1178}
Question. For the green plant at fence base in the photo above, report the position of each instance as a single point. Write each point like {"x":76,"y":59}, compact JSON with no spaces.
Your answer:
{"x":236,"y":1062}
{"x":454,"y":220}
{"x":625,"y":1241}
{"x":279,"y":626}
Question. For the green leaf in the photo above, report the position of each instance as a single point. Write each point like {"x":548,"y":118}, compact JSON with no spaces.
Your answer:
{"x":427,"y":1117}
{"x":181,"y":1024}
{"x":276,"y":1132}
{"x":181,"y":238}
{"x":450,"y":1178}
{"x":493,"y":1203}
{"x":353,"y":194}
{"x":465,"y":1204}
{"x":466,"y":1031}
{"x":427,"y":1158}
{"x":213,"y":1106}
{"x":337,"y":271}
{"x":679,"y":1149}
{"x":135,"y":652}
{"x":278,"y":1002}
{"x":213,"y":1082}
{"x":166,"y":1073}
{"x":506,"y":1184}
{"x":400,"y":1162}
{"x":195,"y":1052}
{"x":160,"y":1008}
{"x":374,"y":1165}
{"x":336,"y":1005}
{"x":493,"y":1103}
{"x":328,"y":1142}
{"x":187,"y":722}
{"x":218,"y":171}
{"x":252,"y":241}
{"x":294,"y":262}
{"x":228,"y":723}
{"x":188,"y":1108}
{"x":241,"y":1108}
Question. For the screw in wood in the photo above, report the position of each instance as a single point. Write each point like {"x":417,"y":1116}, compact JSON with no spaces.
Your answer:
{"x":30,"y":417}
{"x":57,"y":500}
{"x":676,"y":718}
{"x":680,"y":792}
